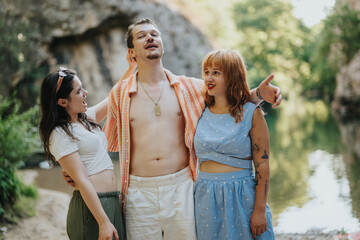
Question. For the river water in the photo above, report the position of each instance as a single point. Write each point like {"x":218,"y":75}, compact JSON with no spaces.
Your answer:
{"x":315,"y":169}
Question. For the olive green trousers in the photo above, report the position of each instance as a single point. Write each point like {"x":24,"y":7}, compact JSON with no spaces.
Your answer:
{"x":81,"y":224}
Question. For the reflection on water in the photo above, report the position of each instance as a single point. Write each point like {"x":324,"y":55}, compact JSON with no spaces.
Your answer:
{"x":329,"y":207}
{"x":311,"y":178}
{"x":315,"y":169}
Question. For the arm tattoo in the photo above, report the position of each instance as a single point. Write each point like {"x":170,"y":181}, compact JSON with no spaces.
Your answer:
{"x":265,"y":156}
{"x":257,"y":165}
{"x":265,"y":193}
{"x":257,"y":177}
{"x":256,"y":147}
{"x":257,"y":174}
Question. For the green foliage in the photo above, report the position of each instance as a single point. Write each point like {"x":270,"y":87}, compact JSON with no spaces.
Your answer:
{"x":18,"y":48}
{"x":265,"y":32}
{"x":273,"y":40}
{"x":339,"y":42}
{"x":20,"y":58}
{"x":24,"y":206}
{"x":220,"y":29}
{"x":10,"y":186}
{"x":29,"y":191}
{"x":18,"y":139}
{"x":18,"y":132}
{"x":347,"y":22}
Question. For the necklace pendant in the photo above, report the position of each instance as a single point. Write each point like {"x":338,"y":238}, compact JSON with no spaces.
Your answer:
{"x":157,"y":110}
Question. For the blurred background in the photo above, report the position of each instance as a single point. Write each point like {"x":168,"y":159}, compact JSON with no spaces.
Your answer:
{"x":312,"y":47}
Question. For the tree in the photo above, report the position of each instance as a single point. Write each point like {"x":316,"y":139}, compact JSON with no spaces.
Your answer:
{"x":273,"y":40}
{"x":337,"y":45}
{"x":19,"y":57}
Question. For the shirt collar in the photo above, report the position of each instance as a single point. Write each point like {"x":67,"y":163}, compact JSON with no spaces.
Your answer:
{"x":172,"y":79}
{"x":133,"y":83}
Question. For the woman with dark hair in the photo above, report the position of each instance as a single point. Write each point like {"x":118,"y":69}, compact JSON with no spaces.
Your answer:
{"x":231,"y":135}
{"x":72,"y":137}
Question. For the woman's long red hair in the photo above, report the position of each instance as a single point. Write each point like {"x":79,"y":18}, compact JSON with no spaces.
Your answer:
{"x":232,"y":64}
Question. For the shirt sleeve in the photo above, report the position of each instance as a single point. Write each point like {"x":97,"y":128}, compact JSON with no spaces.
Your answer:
{"x":61,"y":144}
{"x":111,"y":125}
{"x":91,"y":113}
{"x":198,"y":83}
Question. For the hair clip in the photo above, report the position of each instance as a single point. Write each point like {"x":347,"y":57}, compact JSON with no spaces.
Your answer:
{"x":62,"y":74}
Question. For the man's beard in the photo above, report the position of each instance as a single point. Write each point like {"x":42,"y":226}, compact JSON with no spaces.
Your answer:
{"x":153,"y":56}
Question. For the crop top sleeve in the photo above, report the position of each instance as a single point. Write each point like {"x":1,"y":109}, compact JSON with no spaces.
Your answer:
{"x":61,"y":144}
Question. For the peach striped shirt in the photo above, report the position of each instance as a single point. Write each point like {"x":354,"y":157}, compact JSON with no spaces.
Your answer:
{"x":117,"y":126}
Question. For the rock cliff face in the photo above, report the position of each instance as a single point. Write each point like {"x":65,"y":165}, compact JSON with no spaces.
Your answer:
{"x":347,"y":93}
{"x":88,"y":36}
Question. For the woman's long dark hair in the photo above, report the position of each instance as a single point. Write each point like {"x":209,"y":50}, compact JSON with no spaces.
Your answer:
{"x":52,"y":114}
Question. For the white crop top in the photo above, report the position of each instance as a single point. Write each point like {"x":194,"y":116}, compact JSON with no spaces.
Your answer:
{"x":92,"y":146}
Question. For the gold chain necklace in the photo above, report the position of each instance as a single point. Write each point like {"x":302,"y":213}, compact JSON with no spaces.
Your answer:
{"x":156,"y":107}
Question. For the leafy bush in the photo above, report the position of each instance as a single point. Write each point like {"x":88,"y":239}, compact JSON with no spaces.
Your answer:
{"x":18,"y":139}
{"x":10,"y":187}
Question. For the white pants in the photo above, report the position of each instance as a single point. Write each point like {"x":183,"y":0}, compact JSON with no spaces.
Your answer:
{"x":161,"y":207}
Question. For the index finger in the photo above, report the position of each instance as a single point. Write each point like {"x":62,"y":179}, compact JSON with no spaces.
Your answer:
{"x":268,"y":79}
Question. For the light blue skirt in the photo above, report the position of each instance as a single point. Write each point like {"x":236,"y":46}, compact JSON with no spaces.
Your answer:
{"x":224,"y":203}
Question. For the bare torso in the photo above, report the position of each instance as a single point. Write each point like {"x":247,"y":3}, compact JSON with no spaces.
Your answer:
{"x":157,"y":142}
{"x":103,"y":181}
{"x":216,"y":167}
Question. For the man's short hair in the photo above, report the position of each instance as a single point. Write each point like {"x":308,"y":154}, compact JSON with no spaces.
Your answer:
{"x":129,"y":35}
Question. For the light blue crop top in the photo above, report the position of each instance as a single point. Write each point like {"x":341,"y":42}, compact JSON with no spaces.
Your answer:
{"x":220,"y":139}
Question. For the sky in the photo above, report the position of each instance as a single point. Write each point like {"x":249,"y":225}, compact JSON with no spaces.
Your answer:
{"x":311,"y":11}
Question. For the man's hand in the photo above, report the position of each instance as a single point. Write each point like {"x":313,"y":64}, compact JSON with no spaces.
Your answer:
{"x":68,"y":179}
{"x":132,"y":67}
{"x":131,"y":61}
{"x":270,"y":93}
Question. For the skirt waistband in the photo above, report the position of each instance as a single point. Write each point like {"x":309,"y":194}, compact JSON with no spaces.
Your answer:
{"x":76,"y":193}
{"x":226,"y":176}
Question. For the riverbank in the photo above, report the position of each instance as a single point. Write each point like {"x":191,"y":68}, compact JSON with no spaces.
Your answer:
{"x":50,"y":219}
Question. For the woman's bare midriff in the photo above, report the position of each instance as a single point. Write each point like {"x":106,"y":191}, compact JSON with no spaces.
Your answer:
{"x":216,"y":167}
{"x":104,"y":181}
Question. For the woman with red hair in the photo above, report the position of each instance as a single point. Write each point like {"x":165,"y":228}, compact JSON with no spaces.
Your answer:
{"x":231,"y":135}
